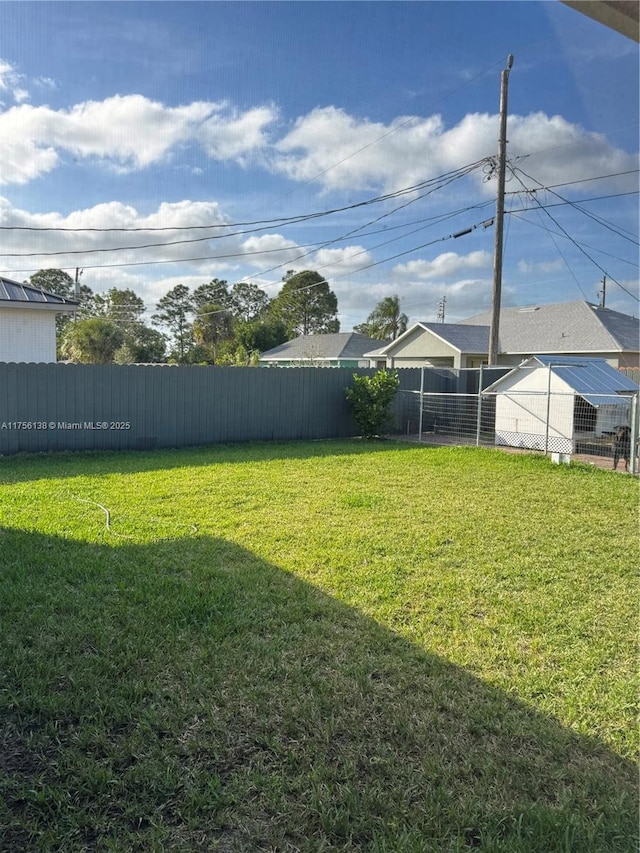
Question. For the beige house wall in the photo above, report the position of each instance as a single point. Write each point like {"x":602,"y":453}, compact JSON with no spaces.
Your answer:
{"x":421,"y":346}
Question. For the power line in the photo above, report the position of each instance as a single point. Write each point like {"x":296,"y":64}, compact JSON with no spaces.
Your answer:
{"x":429,"y":186}
{"x":278,"y":221}
{"x":576,"y":206}
{"x":580,"y":242}
{"x":575,"y":242}
{"x":572,"y":183}
{"x":451,"y":177}
{"x":571,"y":203}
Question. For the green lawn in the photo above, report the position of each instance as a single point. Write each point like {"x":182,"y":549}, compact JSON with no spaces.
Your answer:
{"x":331,"y":646}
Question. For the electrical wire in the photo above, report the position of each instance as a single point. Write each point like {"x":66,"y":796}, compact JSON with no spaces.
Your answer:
{"x":276,"y":222}
{"x":575,"y":242}
{"x":573,"y":183}
{"x":515,"y":215}
{"x":576,"y":206}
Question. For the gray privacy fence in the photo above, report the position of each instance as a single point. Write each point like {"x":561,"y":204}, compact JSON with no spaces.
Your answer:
{"x":47,"y":407}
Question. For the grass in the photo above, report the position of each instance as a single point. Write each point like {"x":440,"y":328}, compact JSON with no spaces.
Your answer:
{"x":336,"y":646}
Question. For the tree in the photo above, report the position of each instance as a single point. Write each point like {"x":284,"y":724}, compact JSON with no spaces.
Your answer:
{"x":173,"y":313}
{"x":215,"y":292}
{"x":385,"y":322}
{"x":248,"y":301}
{"x":59,"y":282}
{"x":55,"y":281}
{"x":261,"y":335}
{"x":306,"y":305}
{"x":141,"y":345}
{"x":91,"y":341}
{"x":370,"y":398}
{"x":213,"y":325}
{"x":123,"y":307}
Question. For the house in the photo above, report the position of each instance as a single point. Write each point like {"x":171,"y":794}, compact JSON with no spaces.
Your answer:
{"x":567,"y":328}
{"x":28,"y":321}
{"x":341,"y":349}
{"x":554,"y":403}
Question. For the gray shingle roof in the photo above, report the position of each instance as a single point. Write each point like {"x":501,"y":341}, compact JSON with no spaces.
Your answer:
{"x":341,"y":345}
{"x":563,"y":327}
{"x":14,"y":291}
{"x":463,"y":337}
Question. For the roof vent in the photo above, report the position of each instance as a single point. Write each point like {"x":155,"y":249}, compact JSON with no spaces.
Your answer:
{"x":528,"y":309}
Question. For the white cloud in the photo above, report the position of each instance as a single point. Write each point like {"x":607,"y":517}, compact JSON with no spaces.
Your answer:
{"x":335,"y":262}
{"x":340,"y":151}
{"x":269,"y":250}
{"x":327,"y":145}
{"x":234,"y":136}
{"x":128,"y":132}
{"x":11,"y":82}
{"x":541,"y":266}
{"x":445,"y":266}
{"x":164,"y":246}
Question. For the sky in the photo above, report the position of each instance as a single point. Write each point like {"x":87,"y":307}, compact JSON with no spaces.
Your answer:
{"x":162,"y":143}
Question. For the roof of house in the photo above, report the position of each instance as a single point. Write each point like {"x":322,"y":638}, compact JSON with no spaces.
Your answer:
{"x":563,"y":327}
{"x":465,"y":338}
{"x":14,"y":292}
{"x":593,"y":379}
{"x":340,"y":345}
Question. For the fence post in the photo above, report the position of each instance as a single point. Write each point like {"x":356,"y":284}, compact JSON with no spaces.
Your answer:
{"x":479,"y":418}
{"x":421,"y":403}
{"x":635,"y":429}
{"x":546,"y":437}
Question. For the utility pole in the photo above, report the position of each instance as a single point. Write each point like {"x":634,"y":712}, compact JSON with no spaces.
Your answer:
{"x":497,"y":255}
{"x":441,"y":309}
{"x":603,"y":292}
{"x":77,"y":290}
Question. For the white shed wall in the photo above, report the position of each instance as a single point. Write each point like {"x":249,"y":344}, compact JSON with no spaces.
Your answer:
{"x":27,"y":335}
{"x":523,"y":408}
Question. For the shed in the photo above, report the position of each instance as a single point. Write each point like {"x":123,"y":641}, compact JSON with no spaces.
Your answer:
{"x":28,"y":321}
{"x":554,"y":403}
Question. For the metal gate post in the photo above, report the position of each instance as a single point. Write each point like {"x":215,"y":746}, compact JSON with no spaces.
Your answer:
{"x":546,"y":438}
{"x":479,"y":418}
{"x":635,"y":429}
{"x":421,"y":403}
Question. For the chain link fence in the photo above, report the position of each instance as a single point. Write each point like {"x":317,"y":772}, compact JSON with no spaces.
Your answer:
{"x":529,"y":418}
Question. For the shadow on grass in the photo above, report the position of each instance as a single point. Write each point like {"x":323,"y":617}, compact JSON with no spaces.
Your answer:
{"x":24,"y":467}
{"x":186,"y":695}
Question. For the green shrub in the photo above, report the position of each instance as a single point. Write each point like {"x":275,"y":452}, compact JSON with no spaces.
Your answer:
{"x":370,"y":398}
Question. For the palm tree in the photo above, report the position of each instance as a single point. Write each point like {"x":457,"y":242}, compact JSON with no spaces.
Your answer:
{"x":386,"y":321}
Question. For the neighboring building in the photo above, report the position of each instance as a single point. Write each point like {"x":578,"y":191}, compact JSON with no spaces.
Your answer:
{"x":553,"y":402}
{"x":341,"y":349}
{"x":28,"y":321}
{"x":568,"y":328}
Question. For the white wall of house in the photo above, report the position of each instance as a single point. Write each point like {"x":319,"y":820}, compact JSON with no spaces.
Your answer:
{"x":27,"y":334}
